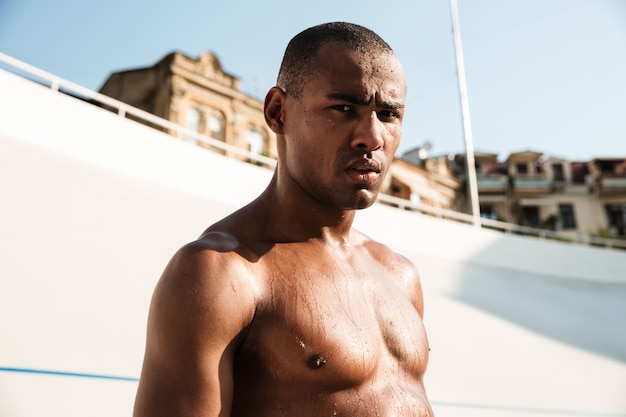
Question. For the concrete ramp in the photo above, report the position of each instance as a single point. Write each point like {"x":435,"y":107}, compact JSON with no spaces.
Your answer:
{"x":94,"y":205}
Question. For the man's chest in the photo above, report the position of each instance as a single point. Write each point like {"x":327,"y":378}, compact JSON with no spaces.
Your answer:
{"x":336,"y":322}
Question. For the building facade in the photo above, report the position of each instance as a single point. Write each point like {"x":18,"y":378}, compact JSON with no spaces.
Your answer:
{"x":552,"y":193}
{"x":431,"y":184}
{"x":198,"y":95}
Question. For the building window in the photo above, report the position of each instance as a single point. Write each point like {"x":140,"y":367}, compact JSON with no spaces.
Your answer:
{"x":568,"y":220}
{"x":488,"y":212}
{"x":192,"y":122}
{"x":522,"y":169}
{"x":255,"y":141}
{"x":616,"y":215}
{"x":530,"y":216}
{"x":216,"y":126}
{"x":557,"y":170}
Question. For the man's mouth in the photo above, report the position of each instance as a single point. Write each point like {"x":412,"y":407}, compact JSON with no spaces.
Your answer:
{"x":366,"y":165}
{"x":364,"y":171}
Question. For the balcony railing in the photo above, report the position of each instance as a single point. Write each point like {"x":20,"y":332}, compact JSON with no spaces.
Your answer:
{"x":492,"y":183}
{"x":124,"y":110}
{"x":531,"y":183}
{"x":612,"y":183}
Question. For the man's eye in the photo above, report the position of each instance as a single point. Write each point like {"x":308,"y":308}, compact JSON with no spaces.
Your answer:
{"x":388,"y":114}
{"x":343,"y":107}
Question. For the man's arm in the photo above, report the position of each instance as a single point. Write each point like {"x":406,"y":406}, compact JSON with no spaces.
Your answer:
{"x":200,"y":306}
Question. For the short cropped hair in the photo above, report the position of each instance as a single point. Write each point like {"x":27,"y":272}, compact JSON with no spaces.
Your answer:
{"x":299,"y":59}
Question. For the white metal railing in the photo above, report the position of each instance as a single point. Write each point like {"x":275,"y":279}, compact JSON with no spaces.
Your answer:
{"x":124,"y":110}
{"x":566,"y":237}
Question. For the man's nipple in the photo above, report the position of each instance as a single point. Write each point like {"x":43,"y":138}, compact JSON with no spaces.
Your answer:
{"x":316,"y":361}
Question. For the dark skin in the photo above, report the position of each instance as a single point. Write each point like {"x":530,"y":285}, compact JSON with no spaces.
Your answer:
{"x":282,"y":309}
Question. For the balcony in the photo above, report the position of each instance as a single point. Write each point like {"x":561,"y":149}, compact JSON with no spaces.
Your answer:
{"x":611,"y":184}
{"x":492,"y":183}
{"x":531,"y":184}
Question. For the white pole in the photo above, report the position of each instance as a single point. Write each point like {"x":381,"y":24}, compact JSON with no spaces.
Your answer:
{"x":467,"y":128}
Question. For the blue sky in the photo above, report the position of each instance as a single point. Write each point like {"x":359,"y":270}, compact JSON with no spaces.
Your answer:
{"x":542,"y":75}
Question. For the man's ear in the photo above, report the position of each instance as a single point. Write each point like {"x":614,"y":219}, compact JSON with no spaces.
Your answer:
{"x":274,"y":110}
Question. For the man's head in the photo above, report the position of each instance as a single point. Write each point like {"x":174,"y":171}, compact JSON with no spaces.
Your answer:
{"x":299,"y":61}
{"x":337,"y":113}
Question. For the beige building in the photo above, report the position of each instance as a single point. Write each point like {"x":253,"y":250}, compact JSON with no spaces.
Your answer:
{"x":588,"y":198}
{"x":552,"y":193}
{"x":432,"y":184}
{"x":423,"y":180}
{"x":198,"y":95}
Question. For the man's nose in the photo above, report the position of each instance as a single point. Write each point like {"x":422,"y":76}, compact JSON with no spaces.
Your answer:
{"x":368,"y":135}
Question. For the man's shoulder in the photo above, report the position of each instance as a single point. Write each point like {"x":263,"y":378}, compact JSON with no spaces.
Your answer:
{"x":378,"y":250}
{"x":205,"y":296}
{"x":214,"y":263}
{"x":213,"y":245}
{"x":397,"y":264}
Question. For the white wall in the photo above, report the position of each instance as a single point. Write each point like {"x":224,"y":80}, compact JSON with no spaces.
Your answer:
{"x":93,"y":206}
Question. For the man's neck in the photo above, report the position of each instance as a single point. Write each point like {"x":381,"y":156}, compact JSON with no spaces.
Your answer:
{"x":303,"y":218}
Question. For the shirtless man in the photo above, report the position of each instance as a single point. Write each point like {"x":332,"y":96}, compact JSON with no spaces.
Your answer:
{"x":282,"y":309}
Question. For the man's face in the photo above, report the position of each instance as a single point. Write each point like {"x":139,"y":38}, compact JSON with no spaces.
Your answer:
{"x":343,"y":130}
